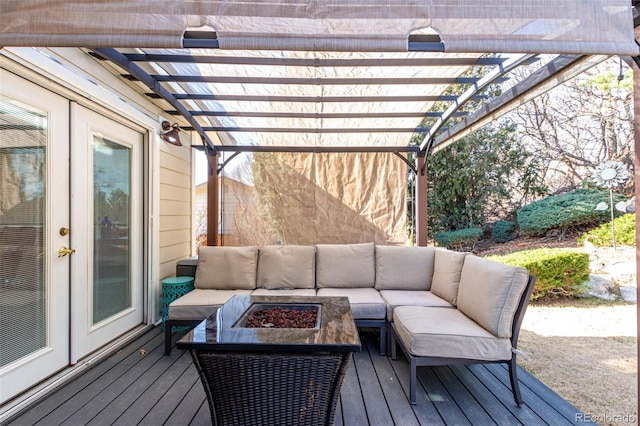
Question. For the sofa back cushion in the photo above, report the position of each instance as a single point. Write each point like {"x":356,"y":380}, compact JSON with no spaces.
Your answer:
{"x":226,"y":268}
{"x":288,"y":266}
{"x":404,"y":268}
{"x":446,"y":274}
{"x":489,"y":293}
{"x":345,"y":265}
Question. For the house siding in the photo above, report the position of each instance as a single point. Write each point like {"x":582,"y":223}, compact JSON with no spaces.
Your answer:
{"x":175,"y":234}
{"x":82,"y":81}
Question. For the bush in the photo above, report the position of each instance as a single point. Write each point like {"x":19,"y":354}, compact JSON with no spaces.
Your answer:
{"x":460,"y":239}
{"x":624,"y":228}
{"x":575,"y":208}
{"x":559,"y":272}
{"x":503,"y":231}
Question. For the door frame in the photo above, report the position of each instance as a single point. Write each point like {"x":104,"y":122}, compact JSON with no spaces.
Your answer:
{"x":59,"y":75}
{"x":86,"y":336}
{"x":54,"y":356}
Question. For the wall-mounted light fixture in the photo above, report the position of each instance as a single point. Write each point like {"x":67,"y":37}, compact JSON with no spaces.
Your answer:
{"x":170,"y":133}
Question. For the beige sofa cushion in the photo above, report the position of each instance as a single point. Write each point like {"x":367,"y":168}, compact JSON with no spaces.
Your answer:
{"x":446,"y":274}
{"x":394,"y":298}
{"x":489,"y":293}
{"x":404,"y":268}
{"x":345,"y":265}
{"x":447,"y":333}
{"x":288,"y":266}
{"x":284,"y":292}
{"x":365,"y":303}
{"x":198,"y":304}
{"x":226,"y":268}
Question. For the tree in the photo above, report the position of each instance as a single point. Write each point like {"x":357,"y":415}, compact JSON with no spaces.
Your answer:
{"x":119,"y":206}
{"x":580,"y":124}
{"x":486,"y":176}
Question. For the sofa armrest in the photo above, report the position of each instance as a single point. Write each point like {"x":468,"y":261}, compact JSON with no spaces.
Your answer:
{"x":490,"y":293}
{"x":187,"y":267}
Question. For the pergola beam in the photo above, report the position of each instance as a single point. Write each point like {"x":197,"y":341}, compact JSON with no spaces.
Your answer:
{"x":315,"y":115}
{"x":494,"y":76}
{"x":317,"y":130}
{"x":313,"y":149}
{"x":311,"y":99}
{"x":313,"y":62}
{"x":315,"y":81}
{"x":562,"y":68}
{"x":141,"y":75}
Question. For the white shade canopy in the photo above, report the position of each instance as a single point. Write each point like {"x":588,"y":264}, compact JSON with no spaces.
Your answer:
{"x":323,"y":73}
{"x":535,"y":26}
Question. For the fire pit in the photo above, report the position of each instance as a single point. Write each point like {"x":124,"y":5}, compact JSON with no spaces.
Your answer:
{"x":248,"y":372}
{"x":281,"y":315}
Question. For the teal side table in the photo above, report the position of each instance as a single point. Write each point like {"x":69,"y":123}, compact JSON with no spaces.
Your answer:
{"x":172,"y":289}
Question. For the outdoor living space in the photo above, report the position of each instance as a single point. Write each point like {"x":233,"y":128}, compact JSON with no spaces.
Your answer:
{"x":433,"y":174}
{"x":138,"y":384}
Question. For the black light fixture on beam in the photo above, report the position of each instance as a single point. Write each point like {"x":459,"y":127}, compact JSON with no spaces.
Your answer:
{"x":170,"y":133}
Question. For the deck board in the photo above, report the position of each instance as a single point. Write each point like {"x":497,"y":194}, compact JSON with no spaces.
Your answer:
{"x":351,"y":401}
{"x":148,"y":388}
{"x":377,"y":410}
{"x":438,"y":394}
{"x":465,"y":400}
{"x":399,"y":406}
{"x":150,"y":397}
{"x":424,"y":409}
{"x":499,"y":413}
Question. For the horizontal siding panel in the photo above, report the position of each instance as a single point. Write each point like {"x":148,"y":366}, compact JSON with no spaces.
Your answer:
{"x":168,"y":238}
{"x":174,"y":163}
{"x":167,"y":269}
{"x":175,"y":252}
{"x":175,"y":208}
{"x":176,"y":193}
{"x":171,"y":177}
{"x":174,"y":222}
{"x":183,"y":151}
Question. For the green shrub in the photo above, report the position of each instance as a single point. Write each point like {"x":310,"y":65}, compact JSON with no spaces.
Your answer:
{"x":503,"y":231}
{"x":575,"y":208}
{"x":624,"y":228}
{"x":460,"y":239}
{"x":559,"y":272}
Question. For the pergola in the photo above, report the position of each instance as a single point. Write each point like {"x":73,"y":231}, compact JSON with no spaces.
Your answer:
{"x":328,"y":76}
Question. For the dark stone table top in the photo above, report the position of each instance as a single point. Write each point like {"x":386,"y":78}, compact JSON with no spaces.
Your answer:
{"x":337,"y":331}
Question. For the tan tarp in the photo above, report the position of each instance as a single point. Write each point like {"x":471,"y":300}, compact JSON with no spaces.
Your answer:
{"x":538,"y":26}
{"x":317,"y":198}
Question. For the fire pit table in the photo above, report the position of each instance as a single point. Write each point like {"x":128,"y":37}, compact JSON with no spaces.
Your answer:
{"x":266,"y":374}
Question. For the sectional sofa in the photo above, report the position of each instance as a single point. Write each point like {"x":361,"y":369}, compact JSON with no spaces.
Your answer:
{"x":442,"y":305}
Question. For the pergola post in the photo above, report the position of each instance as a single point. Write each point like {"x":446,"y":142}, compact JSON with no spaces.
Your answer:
{"x":213,"y":204}
{"x":636,"y":168}
{"x":421,"y":200}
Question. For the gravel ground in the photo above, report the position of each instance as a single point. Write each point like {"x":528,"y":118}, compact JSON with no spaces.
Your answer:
{"x":588,"y":355}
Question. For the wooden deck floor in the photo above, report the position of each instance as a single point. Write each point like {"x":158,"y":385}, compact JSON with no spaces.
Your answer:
{"x":139,"y":385}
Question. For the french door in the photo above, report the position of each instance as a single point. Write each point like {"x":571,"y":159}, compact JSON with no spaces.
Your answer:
{"x":71,"y":231}
{"x":34,"y":213}
{"x":106,"y":208}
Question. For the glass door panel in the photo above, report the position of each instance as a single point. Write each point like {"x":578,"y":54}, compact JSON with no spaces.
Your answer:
{"x":34,"y":205}
{"x":112,"y":220}
{"x":22,"y":231}
{"x":107,"y":275}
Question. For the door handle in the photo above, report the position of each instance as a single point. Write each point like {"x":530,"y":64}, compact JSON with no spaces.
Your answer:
{"x":63,"y":251}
